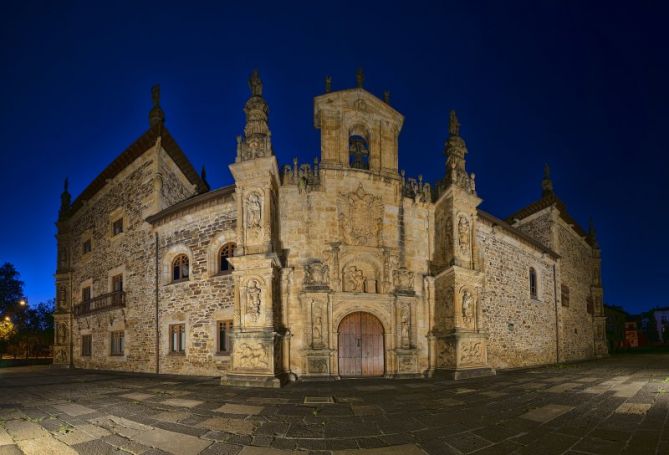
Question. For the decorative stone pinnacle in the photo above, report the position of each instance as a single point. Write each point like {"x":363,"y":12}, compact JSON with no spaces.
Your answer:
{"x":547,"y":183}
{"x":386,"y":96}
{"x":359,"y":78}
{"x":255,"y":83}
{"x":453,"y":124}
{"x":203,"y":173}
{"x":65,"y":201}
{"x":156,"y":115}
{"x":328,"y":84}
{"x":592,"y":235}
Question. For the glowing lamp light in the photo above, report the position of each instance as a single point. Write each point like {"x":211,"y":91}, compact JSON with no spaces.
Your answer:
{"x":7,"y":318}
{"x":22,"y":302}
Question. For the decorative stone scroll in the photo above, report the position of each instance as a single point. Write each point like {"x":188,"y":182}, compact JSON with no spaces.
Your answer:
{"x":360,"y":217}
{"x":471,"y":352}
{"x":251,"y":356}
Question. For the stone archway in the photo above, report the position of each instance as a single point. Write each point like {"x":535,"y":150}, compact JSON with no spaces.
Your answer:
{"x":361,"y":350}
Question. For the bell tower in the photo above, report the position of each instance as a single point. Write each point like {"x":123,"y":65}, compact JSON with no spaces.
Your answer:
{"x":358,"y":130}
{"x":458,"y":338}
{"x":257,"y":335}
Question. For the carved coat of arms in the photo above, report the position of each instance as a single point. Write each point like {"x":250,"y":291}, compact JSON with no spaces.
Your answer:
{"x":360,"y":217}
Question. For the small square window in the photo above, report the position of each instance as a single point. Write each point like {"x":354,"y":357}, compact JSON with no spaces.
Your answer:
{"x":224,"y":331}
{"x":177,"y":338}
{"x":86,"y":246}
{"x":117,"y":343}
{"x":117,"y":227}
{"x":86,"y":345}
{"x":565,"y":295}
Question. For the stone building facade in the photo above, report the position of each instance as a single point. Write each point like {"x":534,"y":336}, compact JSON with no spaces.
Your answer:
{"x":344,"y":267}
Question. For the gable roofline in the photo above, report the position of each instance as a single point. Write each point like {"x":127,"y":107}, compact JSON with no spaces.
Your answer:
{"x":191,"y":202}
{"x":136,"y":150}
{"x":546,"y":201}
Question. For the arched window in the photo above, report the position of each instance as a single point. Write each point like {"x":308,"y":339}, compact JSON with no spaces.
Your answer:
{"x":533,"y":283}
{"x":358,"y":152}
{"x":180,"y":268}
{"x":226,"y":251}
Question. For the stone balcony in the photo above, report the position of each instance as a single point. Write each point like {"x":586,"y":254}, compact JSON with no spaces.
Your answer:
{"x":100,"y":303}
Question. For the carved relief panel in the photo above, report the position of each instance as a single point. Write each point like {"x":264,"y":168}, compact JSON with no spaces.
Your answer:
{"x":251,"y":355}
{"x":253,"y":301}
{"x":464,"y":236}
{"x":253,"y":217}
{"x":403,"y":280}
{"x":316,"y":274}
{"x":404,"y":326}
{"x":319,"y":323}
{"x":360,"y":217}
{"x":467,"y":308}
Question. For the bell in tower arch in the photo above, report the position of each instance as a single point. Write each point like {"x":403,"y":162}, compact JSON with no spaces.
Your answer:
{"x":358,"y":152}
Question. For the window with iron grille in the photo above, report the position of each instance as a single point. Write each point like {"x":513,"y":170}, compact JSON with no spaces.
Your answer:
{"x":178,"y":338}
{"x":533,"y":283}
{"x":86,"y":345}
{"x":224,"y":331}
{"x":86,"y":246}
{"x":117,"y":343}
{"x":86,"y":294}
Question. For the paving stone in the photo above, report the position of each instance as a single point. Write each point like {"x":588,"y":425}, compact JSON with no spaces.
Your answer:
{"x":171,"y":416}
{"x":628,"y":390}
{"x":74,"y":409}
{"x":230,"y":408}
{"x":96,"y":447}
{"x":267,"y":451}
{"x":633,"y":408}
{"x":182,"y":403}
{"x":236,"y":426}
{"x":221,"y":448}
{"x":5,"y":438}
{"x":10,"y":450}
{"x":546,"y":413}
{"x":561,"y":388}
{"x":21,"y":430}
{"x":125,"y":444}
{"x":45,"y":445}
{"x":366,"y":410}
{"x":405,"y":449}
{"x":137,"y":396}
{"x":81,"y":434}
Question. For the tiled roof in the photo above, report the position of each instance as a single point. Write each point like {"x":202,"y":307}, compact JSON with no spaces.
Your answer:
{"x":191,"y":202}
{"x":545,"y":202}
{"x":517,"y":232}
{"x":134,"y":151}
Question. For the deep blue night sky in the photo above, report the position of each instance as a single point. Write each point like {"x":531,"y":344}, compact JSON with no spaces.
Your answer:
{"x":580,"y":85}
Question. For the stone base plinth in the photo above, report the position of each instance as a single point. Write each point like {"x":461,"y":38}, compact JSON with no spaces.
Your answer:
{"x":249,"y":380}
{"x":465,"y":373}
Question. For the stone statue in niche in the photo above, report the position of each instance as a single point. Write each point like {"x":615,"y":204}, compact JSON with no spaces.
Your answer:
{"x":403,"y":279}
{"x":60,"y":304}
{"x":60,"y":356}
{"x":61,"y":333}
{"x":463,"y":235}
{"x":405,"y":329}
{"x":468,"y":308}
{"x":316,"y":274}
{"x":251,"y":355}
{"x":318,"y":327}
{"x":253,"y":300}
{"x":354,"y":280}
{"x":253,"y":211}
{"x":319,"y":366}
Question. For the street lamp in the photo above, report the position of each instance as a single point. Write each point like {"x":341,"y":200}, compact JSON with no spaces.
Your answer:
{"x":22,"y":302}
{"x":7,"y":318}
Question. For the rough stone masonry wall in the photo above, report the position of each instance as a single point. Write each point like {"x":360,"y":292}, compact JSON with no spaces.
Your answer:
{"x":207,"y":296}
{"x":521,"y":329}
{"x":131,"y":195}
{"x":576,"y":271}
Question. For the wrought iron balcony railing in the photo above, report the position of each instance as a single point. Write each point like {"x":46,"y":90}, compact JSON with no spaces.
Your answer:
{"x":102,"y":302}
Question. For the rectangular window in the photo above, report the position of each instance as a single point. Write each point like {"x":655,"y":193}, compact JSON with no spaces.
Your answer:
{"x":224,"y":331}
{"x":565,"y":295}
{"x":117,"y":226}
{"x":178,"y":339}
{"x":87,"y":246}
{"x":86,"y":294}
{"x":86,"y":344}
{"x":117,"y":343}
{"x":117,"y":289}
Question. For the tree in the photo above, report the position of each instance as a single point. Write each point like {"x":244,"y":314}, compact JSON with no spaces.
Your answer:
{"x":11,"y":289}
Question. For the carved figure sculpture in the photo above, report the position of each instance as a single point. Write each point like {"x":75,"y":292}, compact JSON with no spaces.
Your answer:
{"x":467,"y":308}
{"x":405,"y":339}
{"x":463,"y":234}
{"x":471,"y":352}
{"x":253,"y":299}
{"x":60,"y":356}
{"x":318,"y":328}
{"x":360,"y":217}
{"x":316,"y":274}
{"x":355,"y":279}
{"x":253,"y":211}
{"x":252,"y":356}
{"x":403,"y":279}
{"x":61,"y":333}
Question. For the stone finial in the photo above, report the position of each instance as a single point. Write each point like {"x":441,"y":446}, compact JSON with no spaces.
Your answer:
{"x":203,"y":173}
{"x":386,"y":96}
{"x":328,"y":84}
{"x":65,"y":201}
{"x":592,"y":235}
{"x":255,"y":83}
{"x":359,"y":78}
{"x":453,"y":124}
{"x":156,"y":115}
{"x":547,"y":182}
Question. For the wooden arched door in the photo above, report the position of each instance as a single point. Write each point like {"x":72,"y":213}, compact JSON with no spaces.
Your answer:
{"x":361,"y":346}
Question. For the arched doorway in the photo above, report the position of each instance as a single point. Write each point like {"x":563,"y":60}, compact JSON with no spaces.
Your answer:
{"x":361,"y":346}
